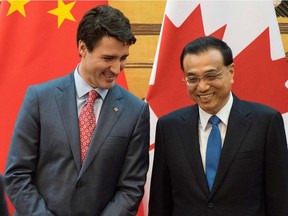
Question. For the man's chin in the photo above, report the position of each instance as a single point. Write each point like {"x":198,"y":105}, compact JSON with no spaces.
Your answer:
{"x":107,"y":85}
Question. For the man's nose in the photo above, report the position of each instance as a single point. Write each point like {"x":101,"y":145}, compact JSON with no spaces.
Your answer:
{"x":116,"y":67}
{"x":202,"y":85}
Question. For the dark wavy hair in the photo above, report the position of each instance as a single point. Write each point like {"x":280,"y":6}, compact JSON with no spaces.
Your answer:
{"x":203,"y":44}
{"x":101,"y":21}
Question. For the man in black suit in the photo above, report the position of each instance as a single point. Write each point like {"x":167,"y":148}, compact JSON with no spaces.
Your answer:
{"x":3,"y":204}
{"x":251,"y":176}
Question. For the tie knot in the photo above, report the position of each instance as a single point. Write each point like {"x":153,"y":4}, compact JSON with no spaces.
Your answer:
{"x":214,"y":120}
{"x":92,"y":95}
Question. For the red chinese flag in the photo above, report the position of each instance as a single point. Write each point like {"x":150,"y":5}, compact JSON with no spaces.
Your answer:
{"x":37,"y":43}
{"x":251,"y":30}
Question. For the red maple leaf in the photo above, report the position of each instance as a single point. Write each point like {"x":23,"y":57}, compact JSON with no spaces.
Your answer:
{"x":257,"y":77}
{"x":169,"y":92}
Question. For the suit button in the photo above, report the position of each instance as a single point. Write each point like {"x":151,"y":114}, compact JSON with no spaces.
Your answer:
{"x":210,"y":205}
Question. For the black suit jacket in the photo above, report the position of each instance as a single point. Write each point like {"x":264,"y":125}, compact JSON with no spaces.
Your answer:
{"x":44,"y":175}
{"x":252,"y":177}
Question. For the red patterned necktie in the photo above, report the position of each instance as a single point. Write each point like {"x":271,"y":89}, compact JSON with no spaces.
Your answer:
{"x":87,"y":123}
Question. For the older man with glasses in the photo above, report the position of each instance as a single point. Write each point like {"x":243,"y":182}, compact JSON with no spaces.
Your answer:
{"x":222,"y":156}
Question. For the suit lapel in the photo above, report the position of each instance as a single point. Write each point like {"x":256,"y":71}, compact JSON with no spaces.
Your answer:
{"x":190,"y":137}
{"x":238,"y":126}
{"x":66,"y":101}
{"x":110,"y":112}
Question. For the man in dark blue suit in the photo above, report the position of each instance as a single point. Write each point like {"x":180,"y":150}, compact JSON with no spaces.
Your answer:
{"x":248,"y":176}
{"x":48,"y":172}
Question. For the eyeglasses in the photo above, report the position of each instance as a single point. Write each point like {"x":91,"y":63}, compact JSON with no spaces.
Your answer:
{"x":193,"y":80}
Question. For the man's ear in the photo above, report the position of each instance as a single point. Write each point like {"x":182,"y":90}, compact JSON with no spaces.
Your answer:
{"x":82,"y":49}
{"x":231,"y":71}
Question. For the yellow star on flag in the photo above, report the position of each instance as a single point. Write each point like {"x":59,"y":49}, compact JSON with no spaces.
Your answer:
{"x":17,"y":5}
{"x":63,"y":12}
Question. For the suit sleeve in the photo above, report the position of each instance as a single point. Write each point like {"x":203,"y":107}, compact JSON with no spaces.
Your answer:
{"x":160,"y":202}
{"x":133,"y":174}
{"x":23,"y":158}
{"x":276,"y":169}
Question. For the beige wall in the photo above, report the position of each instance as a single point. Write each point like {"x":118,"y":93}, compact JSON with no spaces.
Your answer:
{"x":146,"y":19}
{"x":283,"y":24}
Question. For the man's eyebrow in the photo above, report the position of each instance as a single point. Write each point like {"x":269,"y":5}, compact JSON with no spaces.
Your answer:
{"x":207,"y":71}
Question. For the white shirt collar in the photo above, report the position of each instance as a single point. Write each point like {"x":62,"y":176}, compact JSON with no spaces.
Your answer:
{"x":223,"y":114}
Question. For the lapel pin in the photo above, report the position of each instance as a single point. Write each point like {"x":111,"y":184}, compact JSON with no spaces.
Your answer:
{"x":115,"y":109}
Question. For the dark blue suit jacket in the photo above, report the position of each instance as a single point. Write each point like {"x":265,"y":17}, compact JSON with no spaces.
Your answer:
{"x":44,"y":175}
{"x":252,"y":177}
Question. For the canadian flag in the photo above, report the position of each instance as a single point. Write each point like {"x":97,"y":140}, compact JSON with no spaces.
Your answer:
{"x":250,"y":28}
